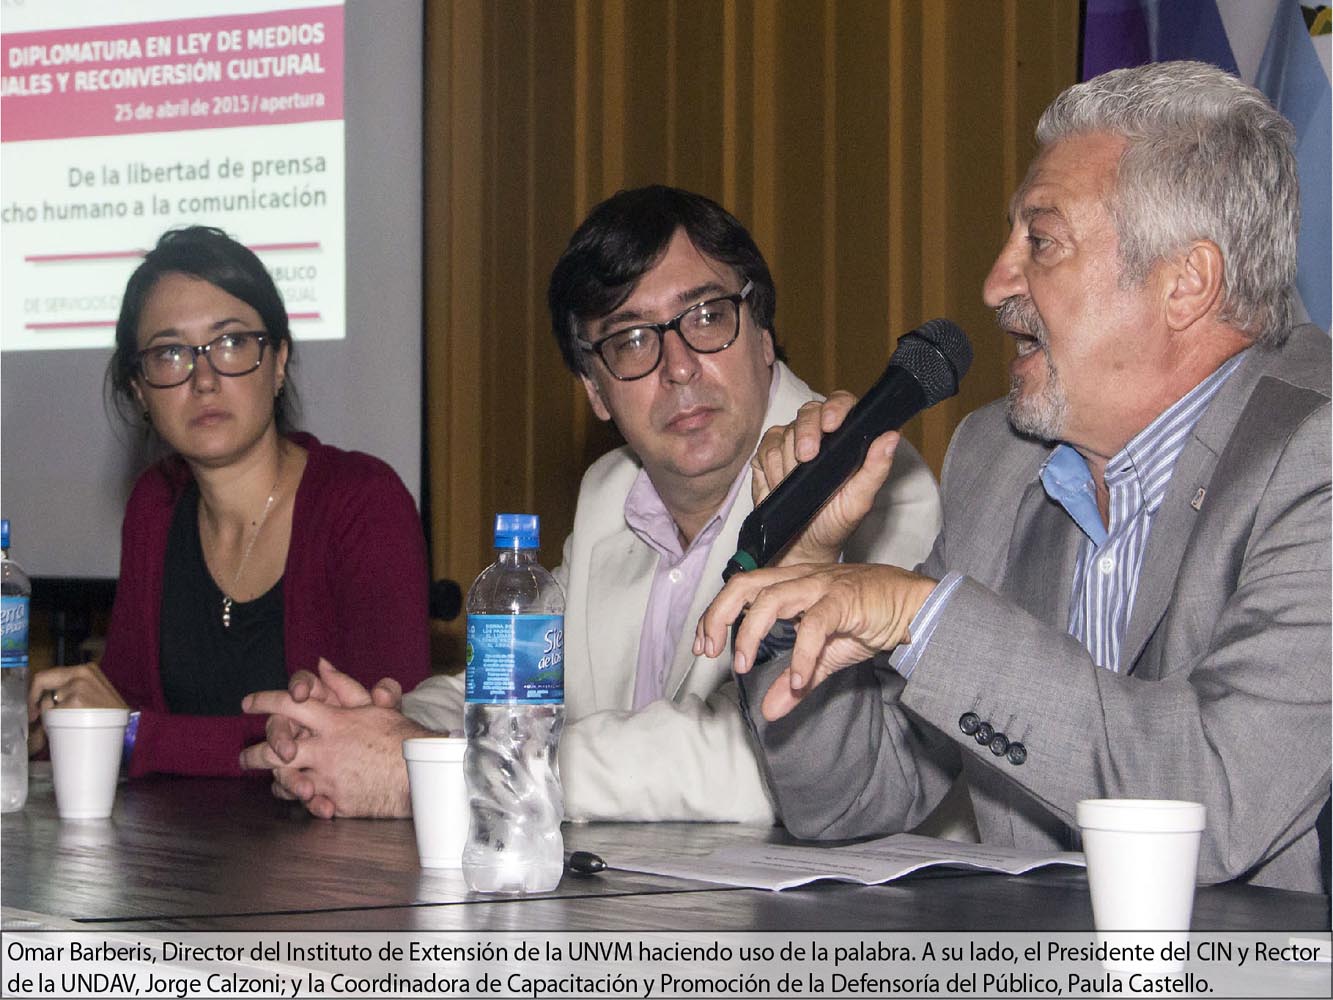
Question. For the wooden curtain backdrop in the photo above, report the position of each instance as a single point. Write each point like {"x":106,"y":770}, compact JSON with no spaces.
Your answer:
{"x":870,"y":147}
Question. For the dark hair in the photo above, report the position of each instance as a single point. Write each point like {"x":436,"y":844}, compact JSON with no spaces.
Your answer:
{"x":624,"y":237}
{"x":211,"y":255}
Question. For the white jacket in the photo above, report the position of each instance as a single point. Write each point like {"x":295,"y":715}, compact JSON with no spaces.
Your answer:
{"x":688,"y":756}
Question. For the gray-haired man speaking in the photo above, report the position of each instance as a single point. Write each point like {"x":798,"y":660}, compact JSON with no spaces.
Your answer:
{"x":1129,"y":596}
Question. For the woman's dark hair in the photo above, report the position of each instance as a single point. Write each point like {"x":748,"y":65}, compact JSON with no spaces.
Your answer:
{"x":624,"y":237}
{"x":211,"y":255}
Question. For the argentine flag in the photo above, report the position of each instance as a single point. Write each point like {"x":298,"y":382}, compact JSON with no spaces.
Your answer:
{"x":1280,"y":46}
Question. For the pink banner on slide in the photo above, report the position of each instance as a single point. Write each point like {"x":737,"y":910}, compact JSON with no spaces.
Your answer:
{"x":167,"y":76}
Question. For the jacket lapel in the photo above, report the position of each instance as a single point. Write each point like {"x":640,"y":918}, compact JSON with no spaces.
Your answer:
{"x":1042,"y":556}
{"x":1170,"y":535}
{"x":1173,"y":525}
{"x":618,"y":591}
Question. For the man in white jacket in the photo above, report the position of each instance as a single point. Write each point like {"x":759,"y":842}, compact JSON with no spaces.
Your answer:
{"x":662,"y":306}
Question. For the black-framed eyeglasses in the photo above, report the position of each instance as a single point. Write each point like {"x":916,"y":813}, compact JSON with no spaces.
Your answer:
{"x":232,"y":354}
{"x":706,"y":327}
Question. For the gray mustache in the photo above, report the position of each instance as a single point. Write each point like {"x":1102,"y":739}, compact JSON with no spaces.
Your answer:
{"x":1018,"y":313}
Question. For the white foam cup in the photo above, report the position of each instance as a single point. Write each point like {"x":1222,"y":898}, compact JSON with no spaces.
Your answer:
{"x":1143,"y":859}
{"x":439,"y":798}
{"x":85,"y":758}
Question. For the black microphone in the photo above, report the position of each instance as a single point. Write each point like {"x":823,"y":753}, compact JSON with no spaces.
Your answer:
{"x":925,"y":368}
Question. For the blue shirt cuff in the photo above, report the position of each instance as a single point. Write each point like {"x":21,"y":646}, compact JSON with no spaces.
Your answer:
{"x":904,"y":658}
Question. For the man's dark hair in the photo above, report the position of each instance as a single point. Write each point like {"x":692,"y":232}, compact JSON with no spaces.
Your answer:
{"x":624,"y":237}
{"x":211,"y":255}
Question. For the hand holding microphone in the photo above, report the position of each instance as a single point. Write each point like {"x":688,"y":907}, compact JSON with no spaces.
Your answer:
{"x":925,"y":368}
{"x":784,"y":448}
{"x":846,"y":612}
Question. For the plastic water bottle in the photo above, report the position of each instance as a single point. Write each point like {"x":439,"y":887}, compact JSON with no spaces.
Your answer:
{"x":15,"y":592}
{"x":513,"y":716}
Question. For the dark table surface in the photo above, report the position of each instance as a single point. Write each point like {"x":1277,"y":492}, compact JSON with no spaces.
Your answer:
{"x":221,"y":854}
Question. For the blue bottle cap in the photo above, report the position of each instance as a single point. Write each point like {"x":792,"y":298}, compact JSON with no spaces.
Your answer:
{"x":4,"y":533}
{"x":517,"y":531}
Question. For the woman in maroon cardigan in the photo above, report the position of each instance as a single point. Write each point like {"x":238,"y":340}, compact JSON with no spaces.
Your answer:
{"x":251,"y":551}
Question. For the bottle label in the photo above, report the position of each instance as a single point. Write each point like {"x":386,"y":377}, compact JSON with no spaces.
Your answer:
{"x":13,"y":631}
{"x":515,"y":659}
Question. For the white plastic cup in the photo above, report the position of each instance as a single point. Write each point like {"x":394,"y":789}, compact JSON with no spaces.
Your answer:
{"x":439,"y":798}
{"x":85,"y":758}
{"x":1143,"y":860}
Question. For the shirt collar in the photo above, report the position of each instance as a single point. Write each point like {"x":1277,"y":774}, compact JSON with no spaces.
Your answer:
{"x":1142,"y":469}
{"x":648,"y":517}
{"x":1067,"y":481}
{"x":1152,"y":453}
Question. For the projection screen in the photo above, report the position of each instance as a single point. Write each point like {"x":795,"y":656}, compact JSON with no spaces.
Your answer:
{"x":294,"y":125}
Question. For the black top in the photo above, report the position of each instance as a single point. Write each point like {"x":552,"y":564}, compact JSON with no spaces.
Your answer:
{"x":206,"y":668}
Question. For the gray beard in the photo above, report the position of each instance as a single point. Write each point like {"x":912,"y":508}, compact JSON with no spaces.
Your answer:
{"x":1041,"y":415}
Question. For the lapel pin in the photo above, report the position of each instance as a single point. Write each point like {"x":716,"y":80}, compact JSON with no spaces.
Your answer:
{"x":1197,"y":502}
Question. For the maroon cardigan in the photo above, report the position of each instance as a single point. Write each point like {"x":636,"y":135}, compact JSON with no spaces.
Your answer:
{"x":355,"y":592}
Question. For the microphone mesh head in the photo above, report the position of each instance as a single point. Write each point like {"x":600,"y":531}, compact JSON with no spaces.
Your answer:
{"x":938,"y":355}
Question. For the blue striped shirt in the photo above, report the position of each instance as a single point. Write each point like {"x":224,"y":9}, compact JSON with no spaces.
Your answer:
{"x":1110,"y":558}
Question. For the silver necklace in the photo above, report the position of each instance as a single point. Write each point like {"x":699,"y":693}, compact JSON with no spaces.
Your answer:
{"x":245,"y":556}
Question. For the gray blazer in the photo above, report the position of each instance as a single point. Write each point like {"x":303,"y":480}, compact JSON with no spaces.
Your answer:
{"x":1224,"y":695}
